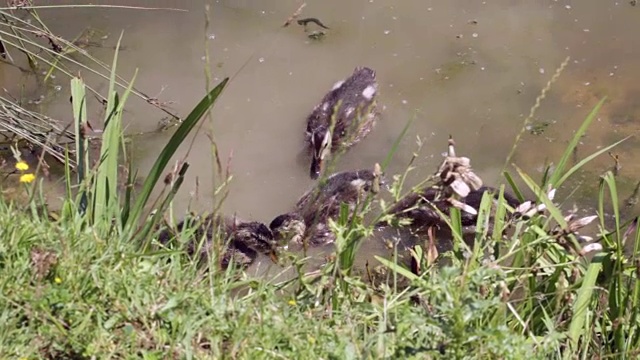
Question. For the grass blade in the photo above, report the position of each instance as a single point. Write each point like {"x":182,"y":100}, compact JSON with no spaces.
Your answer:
{"x":582,"y":162}
{"x":396,"y":143}
{"x":581,"y":305}
{"x":557,"y":173}
{"x":106,"y":180}
{"x":178,"y":137}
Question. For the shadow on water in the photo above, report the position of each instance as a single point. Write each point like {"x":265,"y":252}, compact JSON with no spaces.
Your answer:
{"x":471,"y":69}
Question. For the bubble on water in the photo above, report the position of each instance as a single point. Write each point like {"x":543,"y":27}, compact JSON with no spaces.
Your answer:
{"x":404,"y":102}
{"x":541,"y":70}
{"x":475,"y":35}
{"x":57,"y":88}
{"x":261,"y":60}
{"x":211,"y":36}
{"x":387,"y":32}
{"x":568,"y":7}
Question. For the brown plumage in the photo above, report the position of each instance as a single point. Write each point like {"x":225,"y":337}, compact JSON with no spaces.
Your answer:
{"x":244,"y":240}
{"x":351,"y":106}
{"x":420,"y":207}
{"x":309,"y":221}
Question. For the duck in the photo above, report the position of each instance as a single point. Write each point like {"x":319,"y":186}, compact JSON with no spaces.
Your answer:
{"x":420,"y":207}
{"x":351,"y":104}
{"x":308,"y":223}
{"x":244,"y":240}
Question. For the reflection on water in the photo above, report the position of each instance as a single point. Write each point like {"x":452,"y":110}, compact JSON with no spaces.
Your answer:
{"x":471,"y":69}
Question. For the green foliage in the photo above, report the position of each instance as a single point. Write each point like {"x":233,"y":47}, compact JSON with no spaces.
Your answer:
{"x":95,"y":283}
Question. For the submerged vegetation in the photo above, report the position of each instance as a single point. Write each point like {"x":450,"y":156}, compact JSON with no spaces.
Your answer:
{"x":93,"y":281}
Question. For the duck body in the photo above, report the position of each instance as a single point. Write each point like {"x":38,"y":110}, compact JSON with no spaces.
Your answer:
{"x":309,"y":222}
{"x":351,"y":105}
{"x":420,"y":207}
{"x":243,"y":240}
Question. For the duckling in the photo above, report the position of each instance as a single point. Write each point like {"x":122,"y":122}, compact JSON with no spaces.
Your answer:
{"x":419,"y":207}
{"x":351,"y":104}
{"x":310,"y":220}
{"x":244,"y":239}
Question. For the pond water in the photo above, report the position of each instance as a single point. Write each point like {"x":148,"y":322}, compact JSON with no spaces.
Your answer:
{"x":472,"y":69}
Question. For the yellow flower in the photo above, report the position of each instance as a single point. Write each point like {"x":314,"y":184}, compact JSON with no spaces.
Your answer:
{"x":57,"y":280}
{"x":27,"y":178}
{"x":22,"y":166}
{"x":311,"y":339}
{"x":292,"y":302}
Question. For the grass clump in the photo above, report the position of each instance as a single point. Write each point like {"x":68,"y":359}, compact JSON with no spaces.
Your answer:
{"x":94,"y":282}
{"x":72,"y":294}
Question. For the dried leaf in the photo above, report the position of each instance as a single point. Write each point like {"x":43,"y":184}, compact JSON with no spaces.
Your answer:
{"x":473,"y":180}
{"x":580,"y":223}
{"x":590,"y":248}
{"x":464,"y":207}
{"x":460,"y":187}
{"x":524,"y":207}
{"x":585,"y":239}
{"x":432,"y":250}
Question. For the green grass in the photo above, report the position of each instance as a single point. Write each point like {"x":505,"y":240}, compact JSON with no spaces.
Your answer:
{"x":80,"y":287}
{"x":94,"y":283}
{"x":102,"y":297}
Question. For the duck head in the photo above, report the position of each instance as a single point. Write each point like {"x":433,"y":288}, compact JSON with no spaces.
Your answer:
{"x":321,"y":147}
{"x":359,"y":182}
{"x":288,"y":228}
{"x":255,"y":235}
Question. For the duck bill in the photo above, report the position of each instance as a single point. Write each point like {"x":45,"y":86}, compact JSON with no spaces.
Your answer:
{"x":274,"y":257}
{"x":316,"y":167}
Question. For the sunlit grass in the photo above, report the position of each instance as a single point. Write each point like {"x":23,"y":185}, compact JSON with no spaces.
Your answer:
{"x":94,"y":282}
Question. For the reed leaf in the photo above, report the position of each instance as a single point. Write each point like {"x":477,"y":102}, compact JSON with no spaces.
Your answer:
{"x":557,"y":176}
{"x":169,"y":150}
{"x":106,"y":199}
{"x":581,"y":307}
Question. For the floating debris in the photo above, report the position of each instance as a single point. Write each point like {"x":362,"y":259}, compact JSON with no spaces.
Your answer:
{"x":294,"y":16}
{"x":306,"y":21}
{"x":316,"y":35}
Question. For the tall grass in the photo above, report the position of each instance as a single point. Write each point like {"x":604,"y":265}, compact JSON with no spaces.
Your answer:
{"x":94,"y":283}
